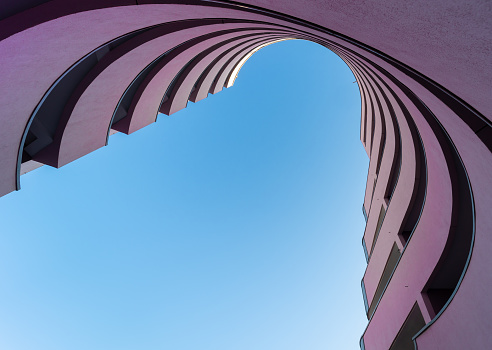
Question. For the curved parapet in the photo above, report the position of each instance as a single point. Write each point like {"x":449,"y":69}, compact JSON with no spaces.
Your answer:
{"x":74,"y":72}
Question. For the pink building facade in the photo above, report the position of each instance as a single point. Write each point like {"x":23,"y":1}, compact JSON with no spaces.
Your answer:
{"x":74,"y":72}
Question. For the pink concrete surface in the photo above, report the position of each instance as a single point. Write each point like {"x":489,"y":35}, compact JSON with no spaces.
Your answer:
{"x":366,"y":110}
{"x":179,"y":97}
{"x":400,"y":202}
{"x":469,"y":312}
{"x":149,"y":102}
{"x":450,"y":34}
{"x":128,"y":125}
{"x":90,"y":118}
{"x":420,"y":256}
{"x":445,"y":43}
{"x":58,"y":44}
{"x":373,"y":149}
{"x":218,"y":84}
{"x":389,"y":157}
{"x":216,"y":77}
{"x":210,"y":73}
{"x":473,"y":333}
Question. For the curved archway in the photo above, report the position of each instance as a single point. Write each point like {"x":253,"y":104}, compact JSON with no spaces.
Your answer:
{"x":428,"y":195}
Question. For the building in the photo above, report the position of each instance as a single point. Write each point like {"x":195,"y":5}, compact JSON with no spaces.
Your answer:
{"x":73,"y":72}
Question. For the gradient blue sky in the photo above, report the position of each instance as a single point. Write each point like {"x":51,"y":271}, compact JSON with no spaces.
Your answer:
{"x":234,"y":224}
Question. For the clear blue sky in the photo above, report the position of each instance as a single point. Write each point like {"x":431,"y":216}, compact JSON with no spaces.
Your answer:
{"x":235,"y":224}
